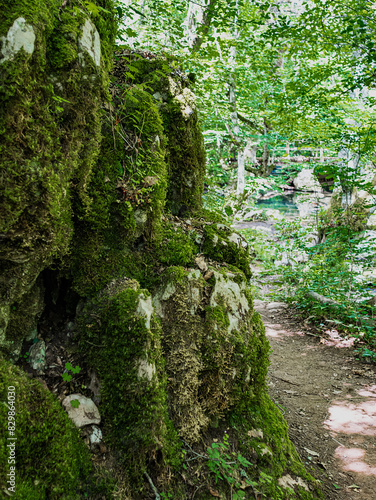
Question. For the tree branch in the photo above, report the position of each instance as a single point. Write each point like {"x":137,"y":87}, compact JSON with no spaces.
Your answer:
{"x":251,"y":123}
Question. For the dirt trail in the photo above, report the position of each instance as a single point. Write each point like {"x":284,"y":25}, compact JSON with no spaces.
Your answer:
{"x":328,"y":399}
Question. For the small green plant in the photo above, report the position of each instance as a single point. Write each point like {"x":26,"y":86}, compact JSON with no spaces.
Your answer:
{"x":229,"y":467}
{"x":66,"y":376}
{"x":166,"y":496}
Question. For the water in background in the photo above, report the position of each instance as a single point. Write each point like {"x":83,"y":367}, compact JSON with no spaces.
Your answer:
{"x":296,"y":204}
{"x":283,"y":203}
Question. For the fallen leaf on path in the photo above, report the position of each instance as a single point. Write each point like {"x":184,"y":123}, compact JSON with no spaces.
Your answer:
{"x":290,"y":392}
{"x":354,"y":486}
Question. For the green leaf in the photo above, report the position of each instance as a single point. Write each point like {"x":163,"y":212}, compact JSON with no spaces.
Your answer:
{"x":75,"y":403}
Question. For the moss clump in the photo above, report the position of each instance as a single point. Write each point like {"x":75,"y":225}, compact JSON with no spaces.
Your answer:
{"x":261,"y":429}
{"x":178,"y":302}
{"x":128,"y":187}
{"x":185,"y":152}
{"x":176,"y":248}
{"x":51,"y":115}
{"x":209,"y":216}
{"x":121,"y":340}
{"x":50,"y":124}
{"x":51,"y":458}
{"x":186,"y":161}
{"x":224,"y":245}
{"x":235,"y":349}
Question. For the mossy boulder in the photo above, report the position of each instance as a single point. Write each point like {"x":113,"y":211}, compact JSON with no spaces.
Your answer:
{"x":121,"y":338}
{"x":217,"y":356}
{"x":223,"y":244}
{"x":54,"y":76}
{"x":51,"y":460}
{"x":185,"y":151}
{"x":214,"y":345}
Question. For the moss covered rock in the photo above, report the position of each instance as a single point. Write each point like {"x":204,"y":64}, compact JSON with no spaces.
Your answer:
{"x":118,"y":332}
{"x":185,"y":152}
{"x":54,"y":76}
{"x":223,"y":244}
{"x":51,"y":460}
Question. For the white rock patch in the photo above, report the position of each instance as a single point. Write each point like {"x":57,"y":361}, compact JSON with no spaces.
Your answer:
{"x":145,"y":369}
{"x":145,"y":309}
{"x":187,"y":102}
{"x":20,"y":36}
{"x":288,"y":482}
{"x":234,"y":298}
{"x":96,"y":435}
{"x":86,"y":413}
{"x":162,"y":296}
{"x":91,"y":42}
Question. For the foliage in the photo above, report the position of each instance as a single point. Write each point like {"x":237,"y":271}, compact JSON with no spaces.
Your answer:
{"x":66,"y":376}
{"x":229,"y":467}
{"x":336,"y":268}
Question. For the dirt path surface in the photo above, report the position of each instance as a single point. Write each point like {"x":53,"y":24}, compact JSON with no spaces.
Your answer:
{"x":328,"y":399}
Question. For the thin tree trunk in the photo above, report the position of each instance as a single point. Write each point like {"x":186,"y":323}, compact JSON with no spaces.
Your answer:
{"x":198,"y":22}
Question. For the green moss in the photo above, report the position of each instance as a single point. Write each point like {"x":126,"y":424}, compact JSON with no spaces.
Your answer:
{"x":128,"y":187}
{"x":276,"y":454}
{"x":176,"y":248}
{"x":51,"y":458}
{"x":209,"y":216}
{"x":130,"y":366}
{"x":179,"y":302}
{"x":185,"y":152}
{"x":50,"y":131}
{"x":218,"y":246}
{"x":186,"y":161}
{"x":235,"y":351}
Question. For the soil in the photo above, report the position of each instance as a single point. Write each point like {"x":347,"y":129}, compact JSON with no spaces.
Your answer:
{"x":328,"y":399}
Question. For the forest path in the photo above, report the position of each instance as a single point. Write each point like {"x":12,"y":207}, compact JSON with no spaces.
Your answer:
{"x":328,"y":399}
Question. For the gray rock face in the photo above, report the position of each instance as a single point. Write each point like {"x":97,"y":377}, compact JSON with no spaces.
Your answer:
{"x":90,"y":42}
{"x":306,"y":181}
{"x":227,"y":291}
{"x":86,"y":413}
{"x":20,"y":36}
{"x":96,"y":435}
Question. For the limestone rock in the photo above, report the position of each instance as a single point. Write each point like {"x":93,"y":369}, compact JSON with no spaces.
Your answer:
{"x":230,"y":293}
{"x":95,"y":435}
{"x":90,"y":42}
{"x":20,"y":36}
{"x":86,"y":413}
{"x":307,"y":181}
{"x":207,"y":329}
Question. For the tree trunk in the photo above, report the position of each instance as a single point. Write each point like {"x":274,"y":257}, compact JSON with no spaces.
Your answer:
{"x":198,"y":22}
